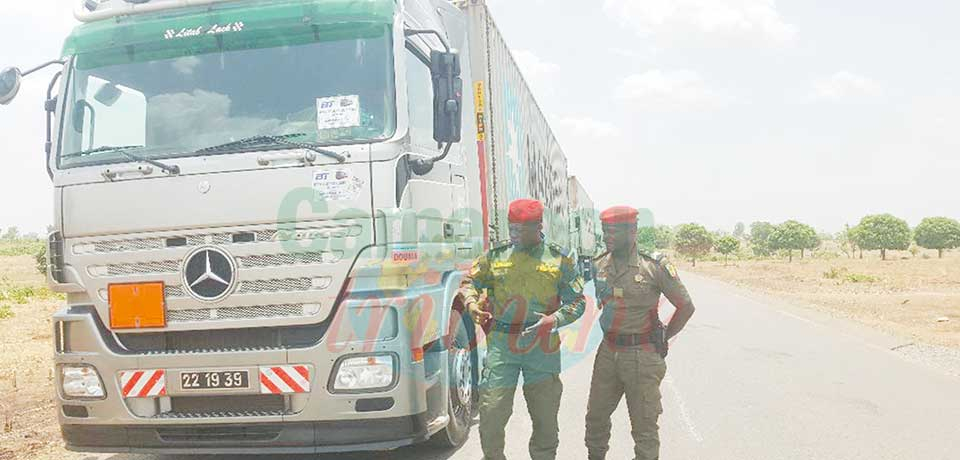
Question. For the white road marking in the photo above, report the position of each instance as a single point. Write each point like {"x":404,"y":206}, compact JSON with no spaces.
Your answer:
{"x":682,"y":406}
{"x":798,"y":318}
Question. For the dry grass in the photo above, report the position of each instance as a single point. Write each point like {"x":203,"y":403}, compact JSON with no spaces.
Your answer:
{"x":28,"y":421}
{"x":904,"y":295}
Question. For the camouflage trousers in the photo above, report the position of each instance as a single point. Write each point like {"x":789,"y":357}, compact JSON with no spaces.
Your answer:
{"x":634,"y":372}
{"x":541,"y":390}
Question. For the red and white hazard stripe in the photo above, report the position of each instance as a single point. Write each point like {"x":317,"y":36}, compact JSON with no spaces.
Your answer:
{"x":143,"y":384}
{"x":277,"y":380}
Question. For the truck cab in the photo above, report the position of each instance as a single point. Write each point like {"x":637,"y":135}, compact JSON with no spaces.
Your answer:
{"x":263,"y":213}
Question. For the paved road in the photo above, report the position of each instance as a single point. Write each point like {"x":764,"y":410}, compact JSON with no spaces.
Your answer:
{"x":754,"y":379}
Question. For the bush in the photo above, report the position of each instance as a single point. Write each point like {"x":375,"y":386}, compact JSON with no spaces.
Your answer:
{"x":12,"y":248}
{"x":41,"y":258}
{"x":834,"y":273}
{"x":23,"y":294}
{"x":6,"y":312}
{"x":861,"y":278}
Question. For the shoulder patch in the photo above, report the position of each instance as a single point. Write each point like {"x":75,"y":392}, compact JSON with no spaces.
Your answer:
{"x":663,"y":262}
{"x":670,"y":268}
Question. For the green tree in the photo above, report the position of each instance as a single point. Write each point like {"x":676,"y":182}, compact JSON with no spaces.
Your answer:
{"x":845,"y":242}
{"x":856,"y":239}
{"x":792,"y":235}
{"x":760,"y":238}
{"x":663,"y":237}
{"x":812,"y":241}
{"x":739,"y":230}
{"x":647,"y":238}
{"x":693,"y":241}
{"x":883,"y":232}
{"x":12,"y":233}
{"x":727,"y":245}
{"x":938,"y":233}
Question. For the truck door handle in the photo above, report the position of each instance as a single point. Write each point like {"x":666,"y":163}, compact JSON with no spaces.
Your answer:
{"x":111,"y":174}
{"x":304,"y":158}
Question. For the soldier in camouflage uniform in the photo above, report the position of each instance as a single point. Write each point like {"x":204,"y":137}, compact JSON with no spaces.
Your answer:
{"x":630,"y":361}
{"x":532,"y":289}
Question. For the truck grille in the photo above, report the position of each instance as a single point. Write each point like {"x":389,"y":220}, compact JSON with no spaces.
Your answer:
{"x":260,"y":286}
{"x":148,"y":244}
{"x":221,"y":340}
{"x":253,"y":312}
{"x":225,"y":406}
{"x":259,"y":261}
{"x":298,"y":258}
{"x":230,"y":433}
{"x":144,"y":268}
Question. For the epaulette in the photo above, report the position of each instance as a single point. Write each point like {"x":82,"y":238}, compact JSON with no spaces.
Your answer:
{"x":657,"y":257}
{"x":559,"y":250}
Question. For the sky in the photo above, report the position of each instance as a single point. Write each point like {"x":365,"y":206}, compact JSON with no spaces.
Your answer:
{"x":707,"y":111}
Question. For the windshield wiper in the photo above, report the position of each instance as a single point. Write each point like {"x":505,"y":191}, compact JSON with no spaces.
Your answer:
{"x":105,"y":148}
{"x":266,"y":140}
{"x":122,"y":150}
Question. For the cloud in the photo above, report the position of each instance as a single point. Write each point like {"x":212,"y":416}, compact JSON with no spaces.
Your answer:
{"x":846,"y":85}
{"x":743,"y":19}
{"x":199,"y":118}
{"x":586,"y":126}
{"x":535,"y":70}
{"x":186,"y":65}
{"x":669,"y":89}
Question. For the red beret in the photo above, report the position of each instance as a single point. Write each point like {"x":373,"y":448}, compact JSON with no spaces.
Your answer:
{"x":619,"y":215}
{"x":524,"y":211}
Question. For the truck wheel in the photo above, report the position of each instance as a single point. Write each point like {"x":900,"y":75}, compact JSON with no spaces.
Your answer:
{"x":462,"y":367}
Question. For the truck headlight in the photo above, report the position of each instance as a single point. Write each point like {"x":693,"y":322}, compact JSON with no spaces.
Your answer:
{"x":80,"y":381}
{"x":365,"y":373}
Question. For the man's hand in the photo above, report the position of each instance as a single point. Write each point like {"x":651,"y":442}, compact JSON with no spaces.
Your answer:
{"x":480,"y":316}
{"x":546,"y":323}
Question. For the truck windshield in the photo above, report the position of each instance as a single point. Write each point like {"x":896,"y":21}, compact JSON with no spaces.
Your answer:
{"x":327,"y":92}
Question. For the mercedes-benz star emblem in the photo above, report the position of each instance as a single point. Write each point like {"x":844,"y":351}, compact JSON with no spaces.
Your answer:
{"x":209,"y":274}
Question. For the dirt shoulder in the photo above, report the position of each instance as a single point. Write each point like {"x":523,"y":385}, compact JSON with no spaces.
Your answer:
{"x":28,"y":419}
{"x":913,"y":297}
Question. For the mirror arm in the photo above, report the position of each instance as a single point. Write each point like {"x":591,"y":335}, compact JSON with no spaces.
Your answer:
{"x":422,"y":166}
{"x":50,"y":108}
{"x":43,"y":66}
{"x":412,"y":32}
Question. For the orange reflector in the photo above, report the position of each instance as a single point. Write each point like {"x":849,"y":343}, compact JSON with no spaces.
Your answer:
{"x":417,"y":355}
{"x":137,"y":306}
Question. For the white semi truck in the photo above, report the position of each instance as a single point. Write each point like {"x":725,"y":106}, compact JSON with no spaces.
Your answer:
{"x":263,"y":212}
{"x":584,"y":226}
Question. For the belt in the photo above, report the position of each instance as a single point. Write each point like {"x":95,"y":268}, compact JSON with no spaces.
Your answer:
{"x":628,"y":340}
{"x":510,"y":328}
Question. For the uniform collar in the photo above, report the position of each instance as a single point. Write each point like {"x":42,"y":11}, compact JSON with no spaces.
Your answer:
{"x":531,"y":250}
{"x":633,"y":258}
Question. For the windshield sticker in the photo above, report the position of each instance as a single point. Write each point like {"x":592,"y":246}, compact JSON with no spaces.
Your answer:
{"x":216,"y":29}
{"x":338,"y":112}
{"x":336,"y":185}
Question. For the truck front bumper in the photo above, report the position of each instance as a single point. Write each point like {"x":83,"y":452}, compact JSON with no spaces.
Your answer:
{"x":318,"y":421}
{"x":257,"y":438}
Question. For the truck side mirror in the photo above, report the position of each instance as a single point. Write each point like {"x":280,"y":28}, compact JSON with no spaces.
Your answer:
{"x":447,"y":95}
{"x":9,"y":84}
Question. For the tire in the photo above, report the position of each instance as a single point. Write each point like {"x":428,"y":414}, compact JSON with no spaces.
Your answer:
{"x":463,"y":401}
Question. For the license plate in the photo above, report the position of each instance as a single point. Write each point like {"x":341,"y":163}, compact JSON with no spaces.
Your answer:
{"x":214,"y":380}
